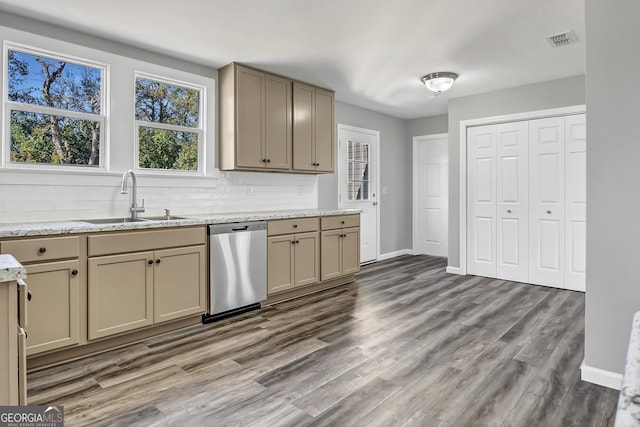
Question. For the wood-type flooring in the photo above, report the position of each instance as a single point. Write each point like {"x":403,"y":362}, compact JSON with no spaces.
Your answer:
{"x":405,"y":345}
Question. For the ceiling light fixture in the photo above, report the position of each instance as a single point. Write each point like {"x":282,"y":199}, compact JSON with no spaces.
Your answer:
{"x":439,"y":82}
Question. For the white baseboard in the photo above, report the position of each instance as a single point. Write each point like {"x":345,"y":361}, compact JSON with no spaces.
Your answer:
{"x":390,"y":255}
{"x":454,"y":270}
{"x":601,"y":377}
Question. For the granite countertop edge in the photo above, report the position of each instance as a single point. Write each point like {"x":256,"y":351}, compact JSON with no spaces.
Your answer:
{"x":11,"y":269}
{"x":46,"y":228}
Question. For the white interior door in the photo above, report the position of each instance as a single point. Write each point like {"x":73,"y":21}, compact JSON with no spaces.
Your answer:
{"x":546,"y":187}
{"x":481,"y":204}
{"x":512,"y":205}
{"x":358,"y":183}
{"x":431,"y":195}
{"x":576,"y":201}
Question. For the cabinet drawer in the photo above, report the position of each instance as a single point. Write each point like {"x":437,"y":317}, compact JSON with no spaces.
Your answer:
{"x":34,"y":250}
{"x":340,"y":221}
{"x":137,"y":241}
{"x":287,"y":226}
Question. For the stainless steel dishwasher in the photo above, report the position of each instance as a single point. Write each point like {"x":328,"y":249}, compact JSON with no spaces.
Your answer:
{"x":237,"y":268}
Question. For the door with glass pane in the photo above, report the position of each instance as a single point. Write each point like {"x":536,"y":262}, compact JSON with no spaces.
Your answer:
{"x":358,"y":185}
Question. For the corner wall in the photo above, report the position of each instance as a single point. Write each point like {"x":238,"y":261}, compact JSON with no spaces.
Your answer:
{"x":613,"y":182}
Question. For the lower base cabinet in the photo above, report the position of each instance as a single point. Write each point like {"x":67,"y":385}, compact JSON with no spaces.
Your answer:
{"x":293,"y":261}
{"x":340,"y":252}
{"x":54,"y":310}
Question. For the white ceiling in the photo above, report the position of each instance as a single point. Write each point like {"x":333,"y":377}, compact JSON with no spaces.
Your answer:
{"x":371,"y":52}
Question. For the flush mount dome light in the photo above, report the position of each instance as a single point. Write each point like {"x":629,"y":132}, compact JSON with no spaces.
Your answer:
{"x":439,"y":82}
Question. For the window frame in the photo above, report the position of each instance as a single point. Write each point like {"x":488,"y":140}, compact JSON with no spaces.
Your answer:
{"x":9,"y":106}
{"x":201,"y":130}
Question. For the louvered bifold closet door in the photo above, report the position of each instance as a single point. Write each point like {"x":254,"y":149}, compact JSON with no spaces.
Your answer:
{"x":512,"y":218}
{"x":481,"y":203}
{"x":546,"y":196}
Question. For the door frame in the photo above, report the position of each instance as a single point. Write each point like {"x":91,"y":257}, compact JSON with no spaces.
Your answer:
{"x":376,"y":169}
{"x":464,"y":124}
{"x":414,"y":212}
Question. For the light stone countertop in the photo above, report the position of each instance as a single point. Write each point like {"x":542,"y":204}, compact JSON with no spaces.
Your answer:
{"x":628,"y":411}
{"x":11,"y":269}
{"x":78,"y":226}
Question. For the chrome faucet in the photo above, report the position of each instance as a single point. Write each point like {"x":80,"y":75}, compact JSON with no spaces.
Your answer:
{"x":134,"y":209}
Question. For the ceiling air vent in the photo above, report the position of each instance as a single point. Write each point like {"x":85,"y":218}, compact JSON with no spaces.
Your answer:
{"x":562,"y":39}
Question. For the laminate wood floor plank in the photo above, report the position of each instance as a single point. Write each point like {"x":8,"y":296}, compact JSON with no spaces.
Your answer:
{"x":405,"y":345}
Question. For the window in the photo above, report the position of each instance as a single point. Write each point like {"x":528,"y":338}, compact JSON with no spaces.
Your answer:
{"x":55,"y":109}
{"x":358,"y":170}
{"x":169,"y":124}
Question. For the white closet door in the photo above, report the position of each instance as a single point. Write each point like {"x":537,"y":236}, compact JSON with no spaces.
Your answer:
{"x":481,"y":232}
{"x":513,"y":202}
{"x":576,"y":202}
{"x":546,"y":196}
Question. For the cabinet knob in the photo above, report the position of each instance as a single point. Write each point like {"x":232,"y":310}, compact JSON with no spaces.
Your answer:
{"x":150,"y":262}
{"x":295,"y":225}
{"x":548,"y":212}
{"x":341,"y":222}
{"x":29,"y":295}
{"x":74,"y":272}
{"x":508,"y":210}
{"x":293,"y":242}
{"x":158,"y":261}
{"x":264,"y":160}
{"x":42,"y":250}
{"x":268,"y":160}
{"x":297,"y":241}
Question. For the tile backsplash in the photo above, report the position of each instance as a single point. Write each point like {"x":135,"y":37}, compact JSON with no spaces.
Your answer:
{"x":39,"y":196}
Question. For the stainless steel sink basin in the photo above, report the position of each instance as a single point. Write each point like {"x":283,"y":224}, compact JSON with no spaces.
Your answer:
{"x":163,"y":217}
{"x":114,"y":220}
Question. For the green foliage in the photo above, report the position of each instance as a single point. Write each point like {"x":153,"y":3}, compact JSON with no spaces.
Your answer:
{"x":166,"y":103}
{"x":165,"y":149}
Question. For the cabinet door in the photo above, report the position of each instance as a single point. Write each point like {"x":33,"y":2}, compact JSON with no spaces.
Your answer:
{"x":307,"y":258}
{"x":324,"y":130}
{"x":120,"y":293}
{"x":350,"y":251}
{"x":278,"y":122}
{"x":250,"y":118}
{"x":54,"y":308}
{"x":280,"y":263}
{"x":303,"y":127}
{"x":179,"y":283}
{"x":331,"y":258}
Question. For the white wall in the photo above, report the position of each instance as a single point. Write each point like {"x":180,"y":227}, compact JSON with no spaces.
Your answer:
{"x":613,"y":181}
{"x":32,"y":195}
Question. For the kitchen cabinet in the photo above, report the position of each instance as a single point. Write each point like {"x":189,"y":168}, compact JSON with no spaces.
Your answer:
{"x":313,"y":129}
{"x":340,"y":243}
{"x":255,"y":119}
{"x":293,"y":259}
{"x":143,"y":278}
{"x":13,"y":367}
{"x":53,"y":269}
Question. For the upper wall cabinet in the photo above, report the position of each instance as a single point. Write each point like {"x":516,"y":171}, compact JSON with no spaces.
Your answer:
{"x":313,"y":134}
{"x":265,"y":126}
{"x":255,"y":120}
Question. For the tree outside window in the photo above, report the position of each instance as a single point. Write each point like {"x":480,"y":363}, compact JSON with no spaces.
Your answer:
{"x":169,"y":124}
{"x":55,"y":109}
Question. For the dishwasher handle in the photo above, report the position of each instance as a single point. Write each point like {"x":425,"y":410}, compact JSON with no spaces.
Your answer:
{"x":245,"y":228}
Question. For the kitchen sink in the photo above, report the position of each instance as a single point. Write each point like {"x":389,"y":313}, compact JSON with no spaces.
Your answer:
{"x":114,"y":220}
{"x":163,"y":217}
